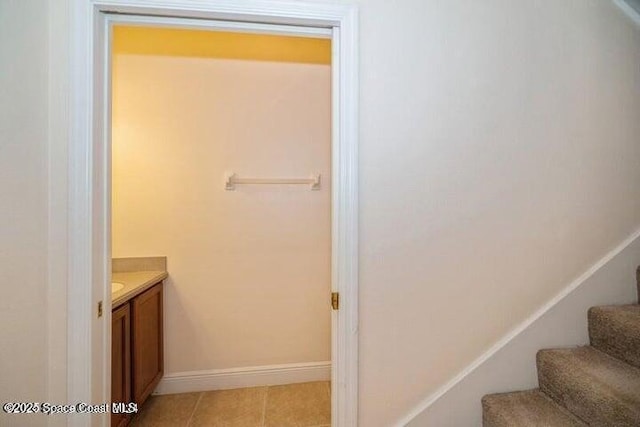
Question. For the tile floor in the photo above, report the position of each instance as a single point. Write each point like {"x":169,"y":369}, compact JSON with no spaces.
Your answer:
{"x":292,"y":405}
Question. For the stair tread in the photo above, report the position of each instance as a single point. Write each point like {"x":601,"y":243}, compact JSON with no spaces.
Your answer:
{"x":596,"y":387}
{"x":615,"y":329}
{"x":525,"y":409}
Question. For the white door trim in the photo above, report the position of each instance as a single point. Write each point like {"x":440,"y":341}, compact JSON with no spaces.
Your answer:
{"x":203,"y":24}
{"x":88,"y":228}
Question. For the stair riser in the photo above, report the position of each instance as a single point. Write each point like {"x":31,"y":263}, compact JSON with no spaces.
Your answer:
{"x":638,"y":282}
{"x":616,"y":333}
{"x":575,"y":394}
{"x":525,"y":409}
{"x":491,"y":417}
{"x":487,"y":420}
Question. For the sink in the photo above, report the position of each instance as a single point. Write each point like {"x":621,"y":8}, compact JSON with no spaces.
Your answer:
{"x":116,"y":286}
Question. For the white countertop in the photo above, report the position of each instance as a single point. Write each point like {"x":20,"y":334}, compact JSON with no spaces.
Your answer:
{"x":135,"y":283}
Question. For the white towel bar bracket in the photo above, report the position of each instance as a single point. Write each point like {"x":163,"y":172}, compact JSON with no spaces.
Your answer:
{"x":231,"y":180}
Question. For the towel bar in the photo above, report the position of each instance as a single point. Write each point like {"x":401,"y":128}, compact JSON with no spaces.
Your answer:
{"x":231,"y":180}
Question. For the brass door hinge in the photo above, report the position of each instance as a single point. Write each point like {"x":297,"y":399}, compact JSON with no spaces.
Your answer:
{"x":99,"y":309}
{"x":335,"y":300}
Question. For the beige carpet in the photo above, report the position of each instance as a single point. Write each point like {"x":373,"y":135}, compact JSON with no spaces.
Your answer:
{"x":596,"y":385}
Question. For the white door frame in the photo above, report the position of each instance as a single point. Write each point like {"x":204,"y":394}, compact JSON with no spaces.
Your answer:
{"x":88,"y":226}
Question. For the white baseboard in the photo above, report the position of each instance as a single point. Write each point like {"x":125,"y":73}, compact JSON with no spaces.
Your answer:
{"x":252,"y":376}
{"x":510,"y":363}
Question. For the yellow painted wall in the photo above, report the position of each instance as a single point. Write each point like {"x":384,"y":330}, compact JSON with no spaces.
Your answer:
{"x":217,"y":44}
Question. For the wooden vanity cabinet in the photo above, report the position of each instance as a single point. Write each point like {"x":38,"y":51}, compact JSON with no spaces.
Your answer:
{"x":121,"y":361}
{"x":147,"y":342}
{"x":137,"y":359}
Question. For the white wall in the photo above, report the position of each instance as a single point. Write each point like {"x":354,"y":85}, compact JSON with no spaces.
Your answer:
{"x":249,"y":269}
{"x":23,"y":205}
{"x":499,"y":159}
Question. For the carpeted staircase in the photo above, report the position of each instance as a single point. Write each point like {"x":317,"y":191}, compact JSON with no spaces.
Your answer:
{"x":595,"y":385}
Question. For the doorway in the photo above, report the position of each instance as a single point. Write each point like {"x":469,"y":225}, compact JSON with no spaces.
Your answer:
{"x":89,"y":204}
{"x":246,"y":311}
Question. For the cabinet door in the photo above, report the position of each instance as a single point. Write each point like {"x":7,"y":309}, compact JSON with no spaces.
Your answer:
{"x":120,"y":361}
{"x":147,"y":343}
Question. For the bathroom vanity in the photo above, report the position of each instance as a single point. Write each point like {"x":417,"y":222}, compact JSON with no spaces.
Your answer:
{"x":136,"y":338}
